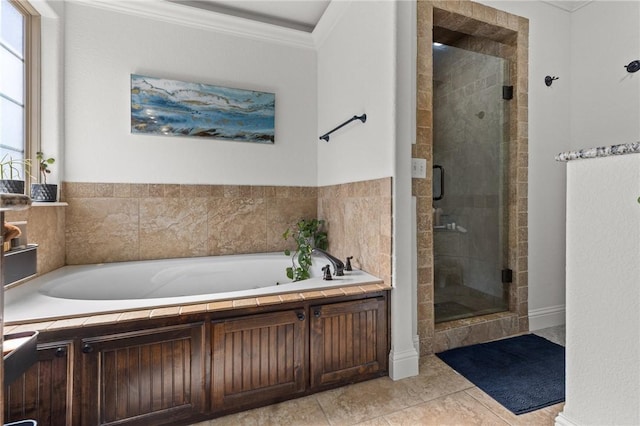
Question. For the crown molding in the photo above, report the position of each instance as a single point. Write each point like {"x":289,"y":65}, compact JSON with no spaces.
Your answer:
{"x":568,"y":5}
{"x":329,"y":20}
{"x":175,"y":13}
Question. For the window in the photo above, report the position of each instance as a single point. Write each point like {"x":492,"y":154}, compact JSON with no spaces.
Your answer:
{"x":19,"y":81}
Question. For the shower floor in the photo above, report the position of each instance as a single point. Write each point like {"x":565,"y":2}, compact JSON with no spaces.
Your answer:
{"x":459,"y":302}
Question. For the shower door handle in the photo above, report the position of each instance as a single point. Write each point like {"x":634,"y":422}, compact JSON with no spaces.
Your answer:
{"x":440,"y":169}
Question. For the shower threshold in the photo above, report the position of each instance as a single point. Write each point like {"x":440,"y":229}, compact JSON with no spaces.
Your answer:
{"x":452,"y":311}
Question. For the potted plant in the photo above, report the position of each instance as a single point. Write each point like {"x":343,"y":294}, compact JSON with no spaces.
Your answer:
{"x":44,"y":191}
{"x":307,"y":236}
{"x":10,"y":181}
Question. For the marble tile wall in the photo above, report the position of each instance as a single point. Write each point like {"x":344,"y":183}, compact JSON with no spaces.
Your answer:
{"x":45,"y":227}
{"x":505,"y":35}
{"x":359,"y":223}
{"x":108,"y":222}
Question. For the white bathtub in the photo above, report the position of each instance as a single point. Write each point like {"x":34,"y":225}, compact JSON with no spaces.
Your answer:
{"x":89,"y":289}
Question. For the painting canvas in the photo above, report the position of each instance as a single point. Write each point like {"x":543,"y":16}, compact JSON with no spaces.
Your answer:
{"x":176,"y":108}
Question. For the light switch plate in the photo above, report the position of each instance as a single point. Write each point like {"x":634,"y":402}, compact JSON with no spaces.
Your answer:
{"x":419,"y":168}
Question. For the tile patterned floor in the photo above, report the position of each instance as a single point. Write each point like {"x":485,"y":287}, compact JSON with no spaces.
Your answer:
{"x":437,"y":396}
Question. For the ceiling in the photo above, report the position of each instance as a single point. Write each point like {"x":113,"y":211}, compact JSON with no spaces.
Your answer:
{"x":300,"y":15}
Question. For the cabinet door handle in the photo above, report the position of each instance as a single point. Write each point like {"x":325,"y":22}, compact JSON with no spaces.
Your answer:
{"x":60,"y":352}
{"x":316,"y":313}
{"x":87,"y":348}
{"x":300,"y":316}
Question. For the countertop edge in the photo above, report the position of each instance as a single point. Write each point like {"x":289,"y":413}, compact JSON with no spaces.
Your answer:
{"x":112,"y":317}
{"x":599,"y":152}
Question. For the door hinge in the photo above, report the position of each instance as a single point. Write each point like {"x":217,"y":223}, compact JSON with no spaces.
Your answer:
{"x":507,"y":92}
{"x":507,"y":276}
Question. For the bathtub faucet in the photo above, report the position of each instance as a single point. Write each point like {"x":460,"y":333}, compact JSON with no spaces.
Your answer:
{"x":338,"y":266}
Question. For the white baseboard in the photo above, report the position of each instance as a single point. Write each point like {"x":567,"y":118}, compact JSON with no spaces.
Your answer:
{"x":403,"y":364}
{"x":547,"y":317}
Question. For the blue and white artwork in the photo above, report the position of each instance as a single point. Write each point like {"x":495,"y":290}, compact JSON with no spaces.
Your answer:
{"x":176,"y":108}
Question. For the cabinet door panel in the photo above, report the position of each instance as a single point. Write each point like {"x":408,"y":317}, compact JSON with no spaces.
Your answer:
{"x":147,"y":377}
{"x":43,"y":392}
{"x":348,"y":341}
{"x":258,"y":358}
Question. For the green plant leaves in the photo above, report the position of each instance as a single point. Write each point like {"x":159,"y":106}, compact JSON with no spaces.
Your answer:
{"x":308,"y":235}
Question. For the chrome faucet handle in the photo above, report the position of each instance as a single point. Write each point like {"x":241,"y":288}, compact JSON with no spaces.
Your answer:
{"x":347,"y":266}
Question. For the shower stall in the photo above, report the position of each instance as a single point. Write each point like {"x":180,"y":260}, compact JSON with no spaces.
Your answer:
{"x":471,"y":96}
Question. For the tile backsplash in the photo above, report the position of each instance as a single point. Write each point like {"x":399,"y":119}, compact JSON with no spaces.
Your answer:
{"x":45,"y":227}
{"x":123,"y":222}
{"x":359,"y":221}
{"x":111,"y":222}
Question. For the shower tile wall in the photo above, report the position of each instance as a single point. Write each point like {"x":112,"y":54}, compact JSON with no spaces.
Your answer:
{"x":468,"y":143}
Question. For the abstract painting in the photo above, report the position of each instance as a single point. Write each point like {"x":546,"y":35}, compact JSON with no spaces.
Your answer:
{"x":176,"y":108}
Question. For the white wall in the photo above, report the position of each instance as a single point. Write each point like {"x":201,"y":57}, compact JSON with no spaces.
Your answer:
{"x":605,"y":36}
{"x":549,"y":134}
{"x":603,"y":296}
{"x":356,"y":74}
{"x":51,"y":81}
{"x":102,"y":49}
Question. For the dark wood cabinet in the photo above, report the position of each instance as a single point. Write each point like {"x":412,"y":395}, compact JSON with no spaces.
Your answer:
{"x":348,"y":341}
{"x":43,"y":392}
{"x":144,"y":377}
{"x":185,"y":369}
{"x":258,"y":358}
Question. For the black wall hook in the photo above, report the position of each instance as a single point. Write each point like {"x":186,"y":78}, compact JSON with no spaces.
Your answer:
{"x":362,"y":118}
{"x":633,"y":66}
{"x":548,"y":80}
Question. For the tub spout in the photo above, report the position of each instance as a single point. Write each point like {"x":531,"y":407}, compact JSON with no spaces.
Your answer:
{"x":338,"y":266}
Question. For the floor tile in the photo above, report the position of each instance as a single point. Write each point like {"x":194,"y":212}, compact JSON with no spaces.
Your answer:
{"x":301,"y":411}
{"x":378,"y":421}
{"x":436,"y":379}
{"x":556,"y":334}
{"x":366,"y":401}
{"x":544,"y":416}
{"x":455,"y":409}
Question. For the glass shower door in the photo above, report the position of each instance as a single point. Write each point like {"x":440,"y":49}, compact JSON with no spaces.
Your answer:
{"x":469,"y":201}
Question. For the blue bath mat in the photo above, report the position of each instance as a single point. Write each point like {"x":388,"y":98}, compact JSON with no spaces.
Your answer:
{"x":523,"y":373}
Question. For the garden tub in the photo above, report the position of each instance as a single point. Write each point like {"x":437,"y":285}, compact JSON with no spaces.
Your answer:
{"x":83,"y":290}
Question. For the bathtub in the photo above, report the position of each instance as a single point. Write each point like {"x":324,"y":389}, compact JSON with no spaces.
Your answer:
{"x":113,"y":287}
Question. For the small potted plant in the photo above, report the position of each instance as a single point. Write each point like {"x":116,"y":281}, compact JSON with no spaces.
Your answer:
{"x":44,"y":191}
{"x":10,"y":181}
{"x":307,"y":236}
